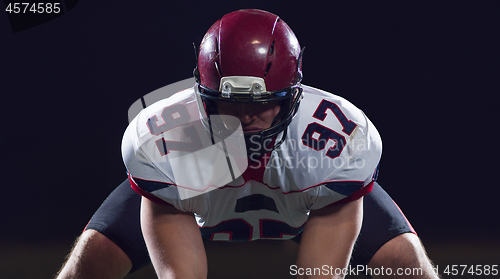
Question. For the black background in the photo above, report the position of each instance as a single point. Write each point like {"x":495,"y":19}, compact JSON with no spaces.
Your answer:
{"x":425,"y":73}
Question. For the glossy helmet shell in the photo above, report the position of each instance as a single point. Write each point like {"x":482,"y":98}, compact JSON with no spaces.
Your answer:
{"x":252,"y":43}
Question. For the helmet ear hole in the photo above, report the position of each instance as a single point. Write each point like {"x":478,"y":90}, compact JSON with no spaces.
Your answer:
{"x":267,"y":68}
{"x":271,"y":48}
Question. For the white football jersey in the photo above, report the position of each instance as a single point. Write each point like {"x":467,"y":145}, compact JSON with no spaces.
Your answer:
{"x":330,"y":154}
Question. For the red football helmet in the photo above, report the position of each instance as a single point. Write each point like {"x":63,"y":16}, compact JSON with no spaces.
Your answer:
{"x":251,"y":56}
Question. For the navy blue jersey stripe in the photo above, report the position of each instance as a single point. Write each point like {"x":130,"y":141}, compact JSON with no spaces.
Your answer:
{"x":345,"y":188}
{"x":150,"y":186}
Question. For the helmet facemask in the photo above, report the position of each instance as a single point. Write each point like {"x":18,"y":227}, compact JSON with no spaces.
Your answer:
{"x":251,"y":56}
{"x":258,"y":142}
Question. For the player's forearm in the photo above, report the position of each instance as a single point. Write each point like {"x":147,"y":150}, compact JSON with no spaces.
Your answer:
{"x":328,"y":239}
{"x":174,"y":242}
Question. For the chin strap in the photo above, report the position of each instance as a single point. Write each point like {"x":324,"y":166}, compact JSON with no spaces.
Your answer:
{"x":196,"y":72}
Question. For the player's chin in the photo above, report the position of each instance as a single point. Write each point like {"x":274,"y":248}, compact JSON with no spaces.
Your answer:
{"x":252,"y":129}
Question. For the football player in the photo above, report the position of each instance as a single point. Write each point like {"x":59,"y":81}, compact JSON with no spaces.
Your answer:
{"x":249,"y":153}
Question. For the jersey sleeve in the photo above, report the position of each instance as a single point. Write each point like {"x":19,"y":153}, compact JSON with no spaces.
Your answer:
{"x":331,"y":154}
{"x":359,"y":168}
